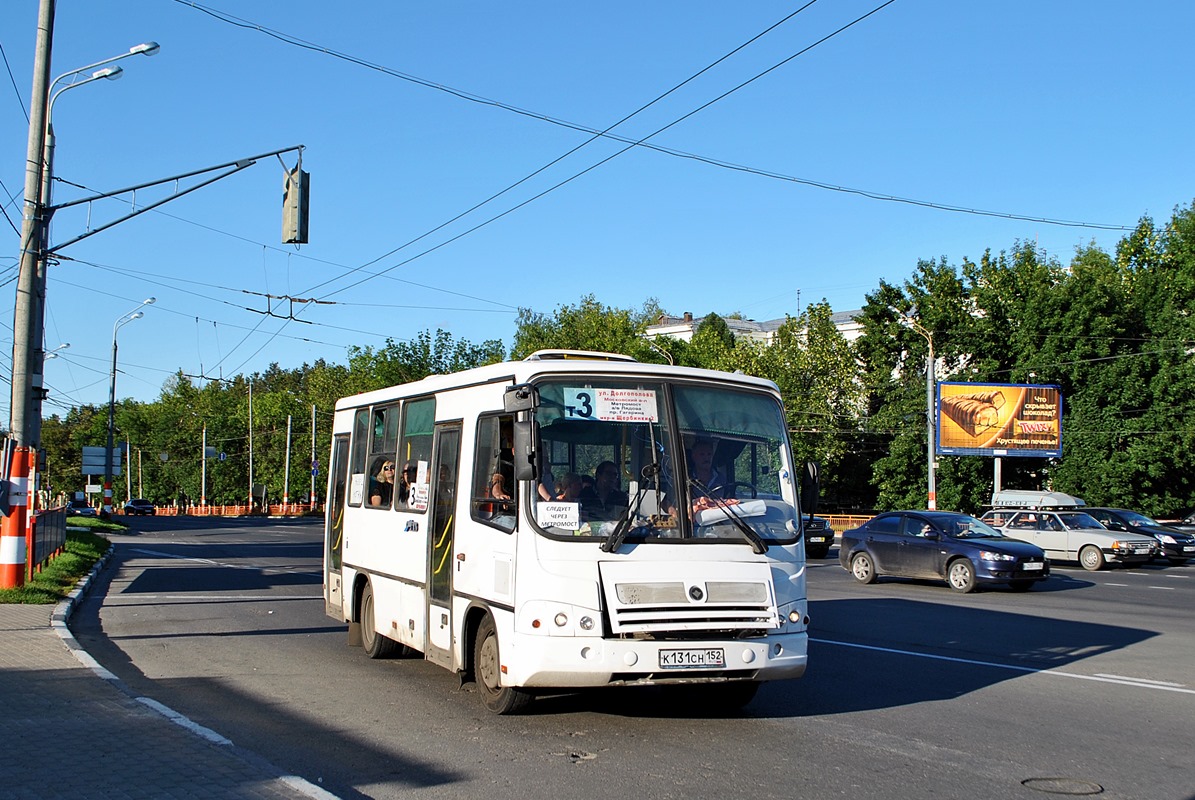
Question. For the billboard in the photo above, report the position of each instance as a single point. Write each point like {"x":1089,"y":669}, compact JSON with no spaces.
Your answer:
{"x":999,"y":419}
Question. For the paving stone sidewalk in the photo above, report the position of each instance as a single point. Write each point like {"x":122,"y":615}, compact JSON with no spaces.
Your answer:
{"x":69,"y":732}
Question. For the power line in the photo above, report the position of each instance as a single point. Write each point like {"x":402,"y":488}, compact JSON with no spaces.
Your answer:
{"x":465,"y":95}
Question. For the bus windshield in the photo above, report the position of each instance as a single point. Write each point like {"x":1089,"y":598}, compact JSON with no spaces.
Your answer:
{"x":640,"y":461}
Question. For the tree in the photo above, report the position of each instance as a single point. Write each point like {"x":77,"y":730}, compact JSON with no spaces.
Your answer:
{"x":589,"y":325}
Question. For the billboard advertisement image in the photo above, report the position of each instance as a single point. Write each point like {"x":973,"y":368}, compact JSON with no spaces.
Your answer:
{"x":999,"y":419}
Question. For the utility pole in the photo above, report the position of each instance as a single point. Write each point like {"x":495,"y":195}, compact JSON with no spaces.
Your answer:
{"x":251,"y":445}
{"x":27,"y":344}
{"x":311,"y":497}
{"x":286,"y":471}
{"x":26,"y":369}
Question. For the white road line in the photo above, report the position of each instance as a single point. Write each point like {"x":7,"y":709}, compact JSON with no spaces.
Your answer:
{"x":1139,"y":683}
{"x":1117,"y":584}
{"x":1137,"y":680}
{"x":260,"y":567}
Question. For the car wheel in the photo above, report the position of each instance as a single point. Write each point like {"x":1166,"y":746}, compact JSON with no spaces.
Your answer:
{"x":961,"y":575}
{"x":816,"y":552}
{"x":376,"y":645}
{"x":862,"y":568}
{"x":1091,"y":558}
{"x":487,"y":669}
{"x":1020,"y":586}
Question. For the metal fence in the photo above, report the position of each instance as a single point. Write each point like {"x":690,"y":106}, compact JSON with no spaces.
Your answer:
{"x":47,"y":538}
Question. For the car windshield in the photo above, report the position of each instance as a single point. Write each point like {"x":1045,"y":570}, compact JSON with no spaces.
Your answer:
{"x":965,"y":527}
{"x":664,"y":462}
{"x":1139,"y":520}
{"x":1079,"y":519}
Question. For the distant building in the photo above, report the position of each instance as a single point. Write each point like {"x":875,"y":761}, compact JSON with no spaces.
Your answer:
{"x":683,"y":327}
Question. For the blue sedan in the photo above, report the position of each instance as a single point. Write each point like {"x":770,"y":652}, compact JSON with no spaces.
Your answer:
{"x":957,"y":548}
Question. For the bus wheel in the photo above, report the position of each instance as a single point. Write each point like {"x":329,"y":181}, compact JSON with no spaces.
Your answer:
{"x":376,"y":645}
{"x":487,"y":671}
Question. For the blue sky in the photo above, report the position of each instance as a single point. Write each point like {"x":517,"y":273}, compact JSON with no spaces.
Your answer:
{"x":1046,"y":109}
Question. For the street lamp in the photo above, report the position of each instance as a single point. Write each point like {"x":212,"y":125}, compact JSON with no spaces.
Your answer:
{"x":29,"y":319}
{"x":54,"y":353}
{"x":912,"y":324}
{"x":122,"y":320}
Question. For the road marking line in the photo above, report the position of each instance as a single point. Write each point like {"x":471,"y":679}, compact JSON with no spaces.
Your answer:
{"x":294,"y":570}
{"x":1137,"y":680}
{"x":1116,"y":584}
{"x":1027,"y":670}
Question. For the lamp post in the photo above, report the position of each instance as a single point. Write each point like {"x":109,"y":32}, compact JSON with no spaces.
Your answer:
{"x":29,"y":319}
{"x":912,"y":324}
{"x":122,"y":320}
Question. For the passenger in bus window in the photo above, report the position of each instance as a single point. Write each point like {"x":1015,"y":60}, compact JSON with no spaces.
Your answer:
{"x":547,"y":484}
{"x":568,"y":488}
{"x":498,"y":487}
{"x":604,"y":500}
{"x":405,"y":481}
{"x":381,"y":488}
{"x":702,"y":469}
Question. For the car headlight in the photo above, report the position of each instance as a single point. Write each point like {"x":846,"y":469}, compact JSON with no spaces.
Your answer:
{"x":991,"y":555}
{"x":1167,"y":538}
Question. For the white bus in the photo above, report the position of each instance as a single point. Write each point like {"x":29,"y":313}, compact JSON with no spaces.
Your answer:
{"x":682,"y":564}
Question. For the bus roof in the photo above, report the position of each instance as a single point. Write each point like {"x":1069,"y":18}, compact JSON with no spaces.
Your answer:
{"x":576,"y":362}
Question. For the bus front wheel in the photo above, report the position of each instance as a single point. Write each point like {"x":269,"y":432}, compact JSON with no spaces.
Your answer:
{"x":488,"y":673}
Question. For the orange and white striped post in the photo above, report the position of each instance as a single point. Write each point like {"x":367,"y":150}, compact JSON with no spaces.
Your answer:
{"x":13,"y":540}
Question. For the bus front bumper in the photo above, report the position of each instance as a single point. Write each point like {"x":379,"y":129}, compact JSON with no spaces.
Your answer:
{"x":574,"y":662}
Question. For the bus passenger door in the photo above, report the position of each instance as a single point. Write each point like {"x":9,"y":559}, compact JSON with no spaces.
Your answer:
{"x":444,"y":482}
{"x":338,"y":472}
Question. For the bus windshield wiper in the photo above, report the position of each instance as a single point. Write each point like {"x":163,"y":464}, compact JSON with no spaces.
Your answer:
{"x":757,"y":542}
{"x":619,"y":534}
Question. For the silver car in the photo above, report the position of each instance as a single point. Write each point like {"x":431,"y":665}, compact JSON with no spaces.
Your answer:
{"x":1072,"y":535}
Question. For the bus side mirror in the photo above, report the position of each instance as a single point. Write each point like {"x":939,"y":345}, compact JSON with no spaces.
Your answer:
{"x":810,"y":487}
{"x":522,"y":397}
{"x":524,"y":450}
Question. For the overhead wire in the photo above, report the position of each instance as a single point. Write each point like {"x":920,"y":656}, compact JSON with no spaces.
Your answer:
{"x":594,"y":137}
{"x":465,"y":95}
{"x":635,"y":143}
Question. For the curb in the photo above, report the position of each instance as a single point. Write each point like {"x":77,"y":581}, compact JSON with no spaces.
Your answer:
{"x":58,"y":621}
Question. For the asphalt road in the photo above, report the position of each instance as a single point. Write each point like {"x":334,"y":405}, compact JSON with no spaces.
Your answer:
{"x":1081,"y":686}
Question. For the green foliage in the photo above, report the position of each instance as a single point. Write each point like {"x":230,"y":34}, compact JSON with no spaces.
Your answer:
{"x":1115,"y":332}
{"x":588,"y":325}
{"x":165,"y":462}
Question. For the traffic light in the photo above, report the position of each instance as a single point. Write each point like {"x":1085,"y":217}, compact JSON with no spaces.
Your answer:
{"x":296,"y":191}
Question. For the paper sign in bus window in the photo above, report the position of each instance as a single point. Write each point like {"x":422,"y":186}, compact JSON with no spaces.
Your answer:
{"x":559,"y":515}
{"x":610,"y":405}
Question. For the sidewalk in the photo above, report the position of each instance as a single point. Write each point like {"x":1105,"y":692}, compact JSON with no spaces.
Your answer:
{"x":70,"y":729}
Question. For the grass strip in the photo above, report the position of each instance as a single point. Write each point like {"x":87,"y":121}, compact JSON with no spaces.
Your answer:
{"x":58,"y":578}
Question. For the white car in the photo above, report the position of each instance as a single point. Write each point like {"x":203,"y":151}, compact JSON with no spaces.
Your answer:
{"x":1072,"y":535}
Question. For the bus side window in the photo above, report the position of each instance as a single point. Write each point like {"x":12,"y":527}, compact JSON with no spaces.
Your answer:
{"x":494,"y":500}
{"x":383,"y":473}
{"x":358,"y":456}
{"x":415,"y":449}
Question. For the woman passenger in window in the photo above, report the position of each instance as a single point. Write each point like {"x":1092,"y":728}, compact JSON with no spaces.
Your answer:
{"x":381,"y":489}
